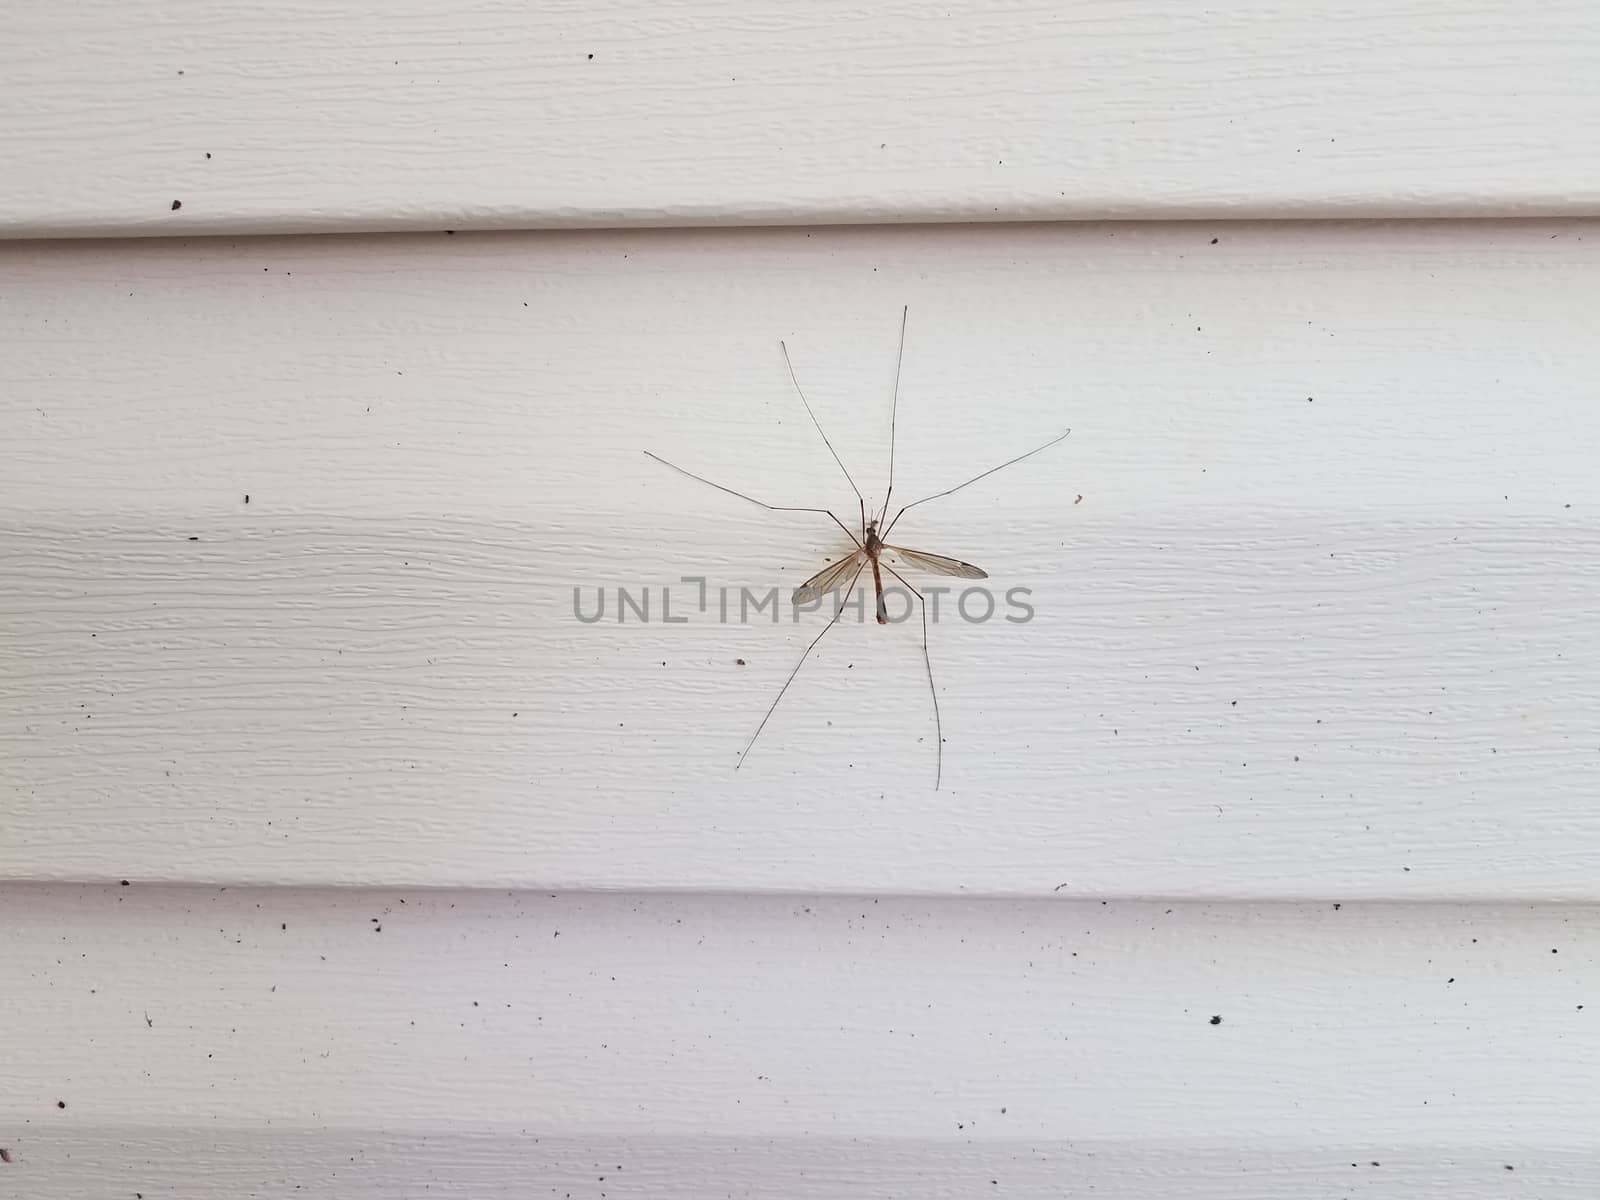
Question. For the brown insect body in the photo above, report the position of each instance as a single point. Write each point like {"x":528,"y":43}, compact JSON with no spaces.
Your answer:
{"x":873,"y":547}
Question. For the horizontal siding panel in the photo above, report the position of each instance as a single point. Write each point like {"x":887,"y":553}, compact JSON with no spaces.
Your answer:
{"x":194,"y":117}
{"x":290,"y":532}
{"x":209,"y":1042}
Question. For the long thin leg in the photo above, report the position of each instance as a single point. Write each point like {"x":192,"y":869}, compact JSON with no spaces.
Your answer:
{"x":753,"y":500}
{"x":938,"y":724}
{"x":894,"y":409}
{"x":844,"y":600}
{"x":974,"y":479}
{"x":795,"y":380}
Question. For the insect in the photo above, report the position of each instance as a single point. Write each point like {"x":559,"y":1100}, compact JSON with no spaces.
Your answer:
{"x":871,"y":548}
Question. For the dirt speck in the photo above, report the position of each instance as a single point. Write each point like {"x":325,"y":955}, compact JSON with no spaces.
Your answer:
{"x":176,"y":205}
{"x":739,"y":661}
{"x":1216,"y":1019}
{"x":5,"y":1155}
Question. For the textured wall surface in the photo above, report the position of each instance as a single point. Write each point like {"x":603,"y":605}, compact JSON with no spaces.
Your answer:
{"x":471,"y":114}
{"x":1321,"y":624}
{"x":384,"y":1042}
{"x":339,"y":857}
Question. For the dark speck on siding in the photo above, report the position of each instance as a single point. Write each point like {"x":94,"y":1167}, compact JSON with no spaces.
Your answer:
{"x":192,"y":538}
{"x":176,"y":205}
{"x":5,"y":1155}
{"x":61,"y":1103}
{"x":1216,"y":1019}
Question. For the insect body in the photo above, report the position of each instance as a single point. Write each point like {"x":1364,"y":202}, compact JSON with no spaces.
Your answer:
{"x":872,"y":550}
{"x":870,"y":547}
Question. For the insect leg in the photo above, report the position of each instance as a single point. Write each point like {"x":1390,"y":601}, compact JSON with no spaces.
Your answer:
{"x":753,"y":500}
{"x":845,"y":599}
{"x":938,"y":724}
{"x":894,"y":409}
{"x":1009,"y":462}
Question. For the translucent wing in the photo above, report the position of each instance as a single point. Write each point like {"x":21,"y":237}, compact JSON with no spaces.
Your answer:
{"x":935,"y":564}
{"x":834,"y":575}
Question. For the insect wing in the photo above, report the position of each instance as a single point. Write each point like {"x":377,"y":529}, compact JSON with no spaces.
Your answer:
{"x":826,"y":580}
{"x":935,"y":564}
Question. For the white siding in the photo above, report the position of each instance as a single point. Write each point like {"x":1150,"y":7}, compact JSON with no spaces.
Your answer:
{"x":407,"y":1043}
{"x":359,"y":115}
{"x":432,"y":889}
{"x":1321,"y":626}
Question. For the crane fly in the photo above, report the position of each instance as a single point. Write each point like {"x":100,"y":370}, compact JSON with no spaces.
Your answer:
{"x":871,"y":548}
